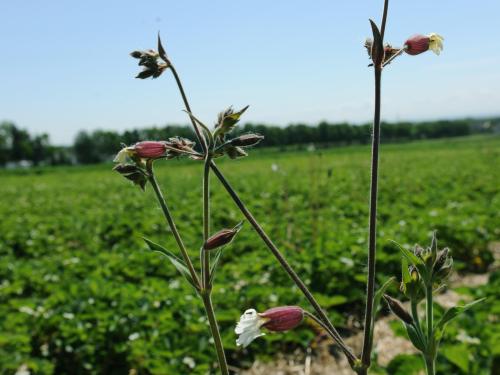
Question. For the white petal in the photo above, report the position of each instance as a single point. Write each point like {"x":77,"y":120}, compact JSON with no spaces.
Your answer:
{"x":248,"y":327}
{"x":122,"y":156}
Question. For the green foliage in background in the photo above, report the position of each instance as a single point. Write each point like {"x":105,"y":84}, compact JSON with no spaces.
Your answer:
{"x":81,"y":294}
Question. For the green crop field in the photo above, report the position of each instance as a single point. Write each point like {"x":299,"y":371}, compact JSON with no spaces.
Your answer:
{"x":81,"y":294}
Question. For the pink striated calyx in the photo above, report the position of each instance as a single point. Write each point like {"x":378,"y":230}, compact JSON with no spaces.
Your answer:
{"x":150,"y":149}
{"x":417,"y":44}
{"x":282,"y":318}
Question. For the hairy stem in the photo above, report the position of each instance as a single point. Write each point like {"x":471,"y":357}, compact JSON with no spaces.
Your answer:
{"x":206,"y":222}
{"x":372,"y":240}
{"x":214,"y":327}
{"x":171,"y":224}
{"x":286,"y":266}
{"x":196,"y":128}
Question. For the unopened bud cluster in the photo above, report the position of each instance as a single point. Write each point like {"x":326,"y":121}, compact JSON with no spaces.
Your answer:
{"x":149,"y":60}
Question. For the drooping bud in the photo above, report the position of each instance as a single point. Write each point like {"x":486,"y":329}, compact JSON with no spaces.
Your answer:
{"x":235,"y":152}
{"x":150,"y":149}
{"x":247,"y":140}
{"x":282,"y":318}
{"x":133,"y":173}
{"x":222,"y":238}
{"x":398,"y":309}
{"x":419,"y":43}
{"x":149,"y":60}
{"x":136,"y":54}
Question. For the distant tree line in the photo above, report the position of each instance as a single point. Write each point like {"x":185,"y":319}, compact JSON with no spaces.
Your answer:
{"x":17,"y":146}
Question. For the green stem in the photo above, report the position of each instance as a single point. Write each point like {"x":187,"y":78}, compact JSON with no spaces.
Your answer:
{"x":414,"y":313}
{"x":372,"y":228}
{"x":430,"y":317}
{"x":372,"y":240}
{"x":206,"y":223}
{"x":429,"y":366}
{"x":200,"y":137}
{"x":214,"y":327}
{"x":171,"y":224}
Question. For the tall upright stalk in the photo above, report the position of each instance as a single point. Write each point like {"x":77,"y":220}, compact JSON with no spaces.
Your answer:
{"x":372,"y":229}
{"x":429,"y":359}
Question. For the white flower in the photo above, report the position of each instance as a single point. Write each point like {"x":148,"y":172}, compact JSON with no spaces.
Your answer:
{"x":435,"y":43}
{"x":123,"y":155}
{"x":248,"y":328}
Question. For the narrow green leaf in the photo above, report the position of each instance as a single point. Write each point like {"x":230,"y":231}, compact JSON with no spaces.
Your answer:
{"x":215,"y":263}
{"x":178,"y":263}
{"x":161,"y":50}
{"x":414,"y":337}
{"x":405,"y":273}
{"x":376,"y":303}
{"x":453,"y":312}
{"x":412,"y":258}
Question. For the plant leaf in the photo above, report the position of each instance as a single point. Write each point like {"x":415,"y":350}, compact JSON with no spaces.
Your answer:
{"x":412,"y":258}
{"x":453,"y":312}
{"x":405,"y":273}
{"x":376,"y":303}
{"x":178,"y":263}
{"x":414,"y":337}
{"x":215,"y":263}
{"x":161,"y":50}
{"x":377,"y":51}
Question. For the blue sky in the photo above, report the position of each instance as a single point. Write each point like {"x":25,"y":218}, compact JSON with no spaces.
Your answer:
{"x":65,"y":65}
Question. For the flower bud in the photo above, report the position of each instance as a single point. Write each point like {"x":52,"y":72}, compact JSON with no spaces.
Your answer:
{"x":398,"y":309}
{"x":235,"y":152}
{"x":136,"y":54}
{"x":419,"y":43}
{"x":221,"y":238}
{"x":246,"y":140}
{"x":150,"y":149}
{"x":282,"y":318}
{"x":442,"y":257}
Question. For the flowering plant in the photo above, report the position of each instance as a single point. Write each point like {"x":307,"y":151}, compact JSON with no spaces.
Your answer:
{"x":421,"y":269}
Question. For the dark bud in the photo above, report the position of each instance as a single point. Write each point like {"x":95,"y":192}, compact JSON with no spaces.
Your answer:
{"x":146,"y":73}
{"x":445,"y":269}
{"x":136,"y":54}
{"x":126,"y":168}
{"x":247,"y":140}
{"x":137,"y":178}
{"x":235,"y":152}
{"x":221,"y":238}
{"x":398,"y":309}
{"x":441,"y":259}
